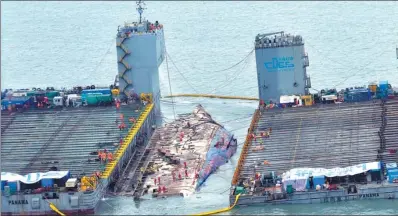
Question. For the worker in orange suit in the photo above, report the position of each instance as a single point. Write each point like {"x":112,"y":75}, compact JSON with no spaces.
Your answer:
{"x":110,"y":156}
{"x":103,"y":157}
{"x":99,"y":154}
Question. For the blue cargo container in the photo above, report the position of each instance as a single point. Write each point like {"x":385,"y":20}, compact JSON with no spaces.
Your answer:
{"x":86,"y":92}
{"x":317,"y":180}
{"x":13,"y":186}
{"x":392,"y":174}
{"x":3,"y":183}
{"x":17,"y":101}
{"x":47,"y":182}
{"x":358,"y":95}
{"x":383,"y":85}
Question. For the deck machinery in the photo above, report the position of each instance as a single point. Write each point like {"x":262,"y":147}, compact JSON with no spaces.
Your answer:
{"x":67,"y":139}
{"x":304,"y":141}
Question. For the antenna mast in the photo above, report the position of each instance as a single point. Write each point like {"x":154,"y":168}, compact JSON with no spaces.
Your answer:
{"x":140,"y":8}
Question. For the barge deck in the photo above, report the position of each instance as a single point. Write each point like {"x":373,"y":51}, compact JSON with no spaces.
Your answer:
{"x":319,"y":136}
{"x":66,"y":138}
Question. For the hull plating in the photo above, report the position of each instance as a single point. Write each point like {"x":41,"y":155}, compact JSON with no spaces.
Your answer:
{"x":222,"y":148}
{"x":382,"y":192}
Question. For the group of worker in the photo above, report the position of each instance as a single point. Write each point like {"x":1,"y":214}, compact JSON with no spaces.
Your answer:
{"x":122,"y":125}
{"x":105,"y":156}
{"x":264,"y":134}
{"x":162,"y":189}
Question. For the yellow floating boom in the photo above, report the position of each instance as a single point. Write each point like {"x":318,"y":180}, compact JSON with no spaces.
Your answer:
{"x":221,"y":210}
{"x":54,"y":208}
{"x":213,"y":96}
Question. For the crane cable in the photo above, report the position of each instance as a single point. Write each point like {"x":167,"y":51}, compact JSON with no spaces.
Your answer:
{"x":236,"y":64}
{"x":103,"y":57}
{"x":171,"y":93}
{"x":181,"y":73}
{"x":234,"y":76}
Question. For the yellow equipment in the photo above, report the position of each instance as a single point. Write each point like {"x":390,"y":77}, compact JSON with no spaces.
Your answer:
{"x":308,"y":100}
{"x":373,"y":87}
{"x":146,"y":97}
{"x":115,"y":91}
{"x":54,"y":208}
{"x":88,"y":183}
{"x":221,"y":210}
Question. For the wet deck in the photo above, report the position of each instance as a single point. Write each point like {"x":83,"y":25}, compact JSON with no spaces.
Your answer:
{"x":323,"y":136}
{"x":36,"y":140}
{"x":164,"y":148}
{"x":391,"y":131}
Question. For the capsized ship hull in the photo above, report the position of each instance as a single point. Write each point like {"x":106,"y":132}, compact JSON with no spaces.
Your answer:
{"x":222,"y":147}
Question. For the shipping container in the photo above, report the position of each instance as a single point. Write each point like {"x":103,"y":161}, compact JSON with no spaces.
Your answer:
{"x":357,"y":95}
{"x":99,"y":99}
{"x":52,"y":94}
{"x":47,"y":182}
{"x":3,"y":183}
{"x":17,"y":101}
{"x":86,"y":92}
{"x":30,"y":93}
{"x":383,"y":85}
{"x":319,"y":180}
{"x":14,"y":186}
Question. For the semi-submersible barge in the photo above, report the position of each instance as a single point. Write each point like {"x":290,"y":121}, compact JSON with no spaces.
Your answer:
{"x":63,"y":149}
{"x":314,"y":148}
{"x":68,"y":156}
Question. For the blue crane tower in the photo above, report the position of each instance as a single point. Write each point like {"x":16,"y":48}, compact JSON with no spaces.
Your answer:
{"x":140,"y":51}
{"x":281,"y":66}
